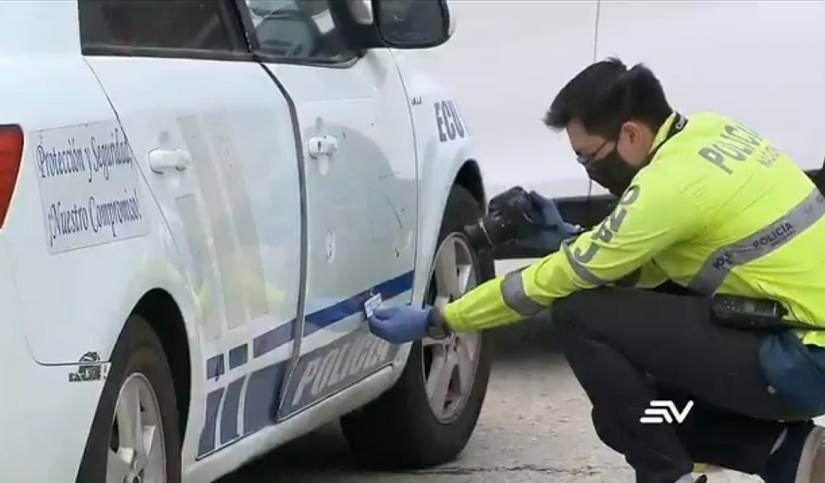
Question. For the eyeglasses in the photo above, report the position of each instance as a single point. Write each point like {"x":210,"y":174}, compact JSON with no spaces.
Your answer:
{"x":586,"y":159}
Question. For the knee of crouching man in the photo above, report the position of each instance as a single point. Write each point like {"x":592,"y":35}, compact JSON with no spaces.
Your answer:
{"x":568,"y":310}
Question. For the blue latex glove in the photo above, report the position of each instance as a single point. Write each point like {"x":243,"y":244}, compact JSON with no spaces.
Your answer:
{"x":400,"y":323}
{"x":551,"y":218}
{"x":553,"y":230}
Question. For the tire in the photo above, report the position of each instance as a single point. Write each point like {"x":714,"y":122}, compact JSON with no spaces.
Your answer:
{"x":138,"y":363}
{"x":400,"y":429}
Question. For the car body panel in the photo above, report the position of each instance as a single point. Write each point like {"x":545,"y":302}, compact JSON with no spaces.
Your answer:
{"x":259,"y":443}
{"x":32,"y":416}
{"x":235,"y":217}
{"x":58,"y":290}
{"x":444,"y":144}
{"x":361,"y":211}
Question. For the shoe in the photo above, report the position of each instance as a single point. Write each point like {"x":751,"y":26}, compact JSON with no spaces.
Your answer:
{"x":799,"y":459}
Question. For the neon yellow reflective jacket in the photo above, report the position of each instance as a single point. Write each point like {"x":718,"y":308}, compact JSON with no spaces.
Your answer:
{"x":718,"y":209}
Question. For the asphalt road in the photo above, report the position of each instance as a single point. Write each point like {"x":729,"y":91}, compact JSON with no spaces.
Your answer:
{"x":535,"y":427}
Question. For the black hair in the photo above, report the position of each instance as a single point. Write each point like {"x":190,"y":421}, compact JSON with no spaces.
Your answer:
{"x":607,"y":94}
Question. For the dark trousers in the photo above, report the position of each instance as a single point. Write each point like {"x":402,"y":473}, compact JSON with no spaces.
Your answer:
{"x":628,"y":347}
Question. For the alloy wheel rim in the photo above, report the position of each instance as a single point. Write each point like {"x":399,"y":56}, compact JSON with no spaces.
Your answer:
{"x":449,"y":365}
{"x":137,"y":452}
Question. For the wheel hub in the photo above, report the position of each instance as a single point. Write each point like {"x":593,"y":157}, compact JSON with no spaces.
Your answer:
{"x":449,"y":364}
{"x":135,"y":477}
{"x":137,"y":452}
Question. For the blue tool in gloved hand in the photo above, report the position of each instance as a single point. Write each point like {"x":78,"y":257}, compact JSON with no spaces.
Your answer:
{"x":401,"y":323}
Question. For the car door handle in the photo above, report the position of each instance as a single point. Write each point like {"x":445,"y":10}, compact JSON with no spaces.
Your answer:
{"x":161,"y":160}
{"x":318,"y":146}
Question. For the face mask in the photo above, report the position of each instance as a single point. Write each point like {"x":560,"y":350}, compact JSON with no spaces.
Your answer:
{"x":612,"y":172}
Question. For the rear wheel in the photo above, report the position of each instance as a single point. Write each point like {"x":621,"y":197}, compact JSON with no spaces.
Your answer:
{"x":135,"y":436}
{"x":137,"y":446}
{"x":428,"y":416}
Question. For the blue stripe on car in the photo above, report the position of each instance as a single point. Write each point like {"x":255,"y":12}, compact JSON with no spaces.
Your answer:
{"x":262,"y":396}
{"x":355,"y":304}
{"x":214,"y":367}
{"x":272,"y":339}
{"x":229,"y":413}
{"x":238,"y":356}
{"x":207,"y":439}
{"x":263,"y":390}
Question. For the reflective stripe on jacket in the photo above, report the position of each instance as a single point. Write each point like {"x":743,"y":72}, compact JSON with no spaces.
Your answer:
{"x":718,"y":209}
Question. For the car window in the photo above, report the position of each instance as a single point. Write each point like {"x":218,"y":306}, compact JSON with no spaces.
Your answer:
{"x":304,"y":30}
{"x":181,"y":25}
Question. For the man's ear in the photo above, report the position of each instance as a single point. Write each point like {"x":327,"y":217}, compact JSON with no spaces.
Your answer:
{"x":632,"y":132}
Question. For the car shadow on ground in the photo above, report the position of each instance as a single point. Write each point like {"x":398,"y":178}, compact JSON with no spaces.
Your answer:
{"x":325,"y":450}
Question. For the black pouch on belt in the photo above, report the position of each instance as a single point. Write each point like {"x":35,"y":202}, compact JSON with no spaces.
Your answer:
{"x":745,"y":313}
{"x":748,"y":313}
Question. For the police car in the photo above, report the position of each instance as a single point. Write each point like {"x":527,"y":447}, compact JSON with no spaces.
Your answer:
{"x":196,"y":200}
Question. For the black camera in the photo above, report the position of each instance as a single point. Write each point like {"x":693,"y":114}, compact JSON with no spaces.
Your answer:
{"x":512,"y":215}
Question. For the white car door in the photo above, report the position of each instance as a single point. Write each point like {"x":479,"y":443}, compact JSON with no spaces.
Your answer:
{"x":214,"y":139}
{"x":360,"y":175}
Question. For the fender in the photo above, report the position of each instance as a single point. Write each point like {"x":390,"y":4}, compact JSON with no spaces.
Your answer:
{"x":74,"y":302}
{"x":444,"y":145}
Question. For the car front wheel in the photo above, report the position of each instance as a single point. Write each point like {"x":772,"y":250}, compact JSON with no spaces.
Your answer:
{"x":428,"y":416}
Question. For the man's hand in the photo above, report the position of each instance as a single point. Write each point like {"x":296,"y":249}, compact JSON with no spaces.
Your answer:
{"x":551,"y":218}
{"x":553,"y":229}
{"x":400,"y":324}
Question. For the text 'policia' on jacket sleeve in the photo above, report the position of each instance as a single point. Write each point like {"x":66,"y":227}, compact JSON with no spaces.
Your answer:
{"x":651,"y":216}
